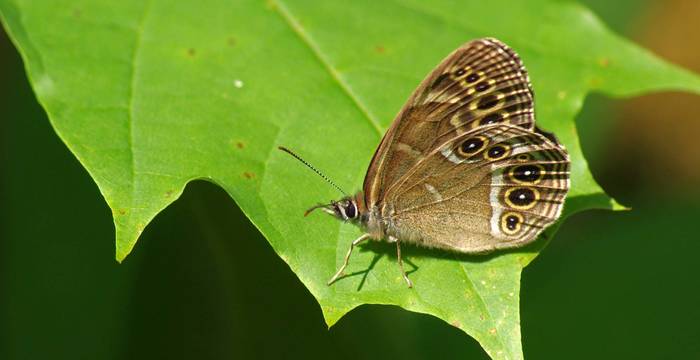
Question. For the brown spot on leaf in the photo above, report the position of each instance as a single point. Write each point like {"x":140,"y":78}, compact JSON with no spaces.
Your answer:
{"x":168,"y":193}
{"x":380,"y":49}
{"x":122,"y":212}
{"x":240,"y":145}
{"x":249,"y":175}
{"x":492,"y":331}
{"x":604,"y":62}
{"x":456,"y":324}
{"x":191,"y":52}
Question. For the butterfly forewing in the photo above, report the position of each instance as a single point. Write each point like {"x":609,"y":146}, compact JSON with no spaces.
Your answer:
{"x":481,"y":83}
{"x":484,"y":83}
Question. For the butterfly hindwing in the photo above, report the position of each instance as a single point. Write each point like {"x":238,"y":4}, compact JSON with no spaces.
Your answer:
{"x":492,"y":187}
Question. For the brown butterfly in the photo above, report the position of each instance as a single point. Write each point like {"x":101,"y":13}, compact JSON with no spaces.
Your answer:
{"x":463,"y":167}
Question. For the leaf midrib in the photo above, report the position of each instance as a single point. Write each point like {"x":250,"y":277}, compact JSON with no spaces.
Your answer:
{"x":130,"y":101}
{"x":305,"y":38}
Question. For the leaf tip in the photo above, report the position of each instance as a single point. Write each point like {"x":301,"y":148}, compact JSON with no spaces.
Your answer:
{"x":125,"y":240}
{"x":121,"y":251}
{"x":616,"y":206}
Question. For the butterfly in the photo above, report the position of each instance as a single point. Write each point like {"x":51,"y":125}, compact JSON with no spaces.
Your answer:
{"x":463,"y":167}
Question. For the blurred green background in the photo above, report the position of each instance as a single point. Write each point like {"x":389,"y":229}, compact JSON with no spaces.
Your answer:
{"x":203,"y":283}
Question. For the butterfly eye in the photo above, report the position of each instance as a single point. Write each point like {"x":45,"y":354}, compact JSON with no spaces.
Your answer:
{"x":351,"y":210}
{"x":472,"y":145}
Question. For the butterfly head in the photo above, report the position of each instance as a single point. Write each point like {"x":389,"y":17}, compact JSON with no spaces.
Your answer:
{"x":344,"y":209}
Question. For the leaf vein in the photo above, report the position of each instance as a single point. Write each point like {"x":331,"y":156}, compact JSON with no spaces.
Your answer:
{"x":483,"y":304}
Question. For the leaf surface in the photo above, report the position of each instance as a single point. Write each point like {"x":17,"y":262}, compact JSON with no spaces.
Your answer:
{"x":150,"y":95}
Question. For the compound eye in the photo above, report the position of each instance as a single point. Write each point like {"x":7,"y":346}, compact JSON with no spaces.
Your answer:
{"x":350,"y":210}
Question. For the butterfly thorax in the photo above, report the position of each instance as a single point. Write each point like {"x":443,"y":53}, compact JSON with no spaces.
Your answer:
{"x":353,"y":209}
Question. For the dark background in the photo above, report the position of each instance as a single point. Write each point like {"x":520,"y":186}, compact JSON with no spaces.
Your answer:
{"x":203,"y":283}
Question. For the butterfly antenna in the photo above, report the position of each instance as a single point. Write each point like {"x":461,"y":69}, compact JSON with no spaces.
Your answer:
{"x":290,"y":152}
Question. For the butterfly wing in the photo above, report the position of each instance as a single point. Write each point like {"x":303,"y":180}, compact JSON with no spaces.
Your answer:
{"x":483,"y":82}
{"x":495,"y":186}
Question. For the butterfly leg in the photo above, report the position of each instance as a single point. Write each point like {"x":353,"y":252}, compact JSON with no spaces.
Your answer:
{"x":339,"y":273}
{"x":398,"y":254}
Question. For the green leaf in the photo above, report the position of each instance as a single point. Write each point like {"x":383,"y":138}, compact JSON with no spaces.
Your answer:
{"x":151,"y":95}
